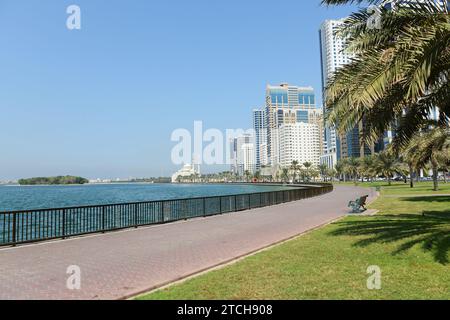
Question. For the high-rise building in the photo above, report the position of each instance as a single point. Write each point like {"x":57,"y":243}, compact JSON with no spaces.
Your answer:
{"x":299,"y":142}
{"x":243,"y":154}
{"x":286,"y":104}
{"x":333,"y":56}
{"x":259,"y":126}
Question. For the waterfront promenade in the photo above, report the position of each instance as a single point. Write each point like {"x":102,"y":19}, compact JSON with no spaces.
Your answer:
{"x":117,"y":265}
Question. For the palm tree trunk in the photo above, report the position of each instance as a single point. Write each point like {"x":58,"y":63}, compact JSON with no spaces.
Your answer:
{"x":389,"y":180}
{"x":411,"y":178}
{"x":435,"y":178}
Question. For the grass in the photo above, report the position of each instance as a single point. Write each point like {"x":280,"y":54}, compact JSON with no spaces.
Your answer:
{"x":400,"y":188}
{"x":409,"y":240}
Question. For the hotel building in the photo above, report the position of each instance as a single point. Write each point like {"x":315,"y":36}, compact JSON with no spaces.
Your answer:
{"x":288,"y":105}
{"x":299,"y":142}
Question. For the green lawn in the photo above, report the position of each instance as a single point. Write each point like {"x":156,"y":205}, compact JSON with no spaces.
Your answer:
{"x":409,"y":240}
{"x":400,"y":188}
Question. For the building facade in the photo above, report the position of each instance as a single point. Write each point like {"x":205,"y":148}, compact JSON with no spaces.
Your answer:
{"x":334,"y":56}
{"x":287,"y":104}
{"x":188,"y":170}
{"x":243,"y":154}
{"x":299,"y":142}
{"x":259,"y":127}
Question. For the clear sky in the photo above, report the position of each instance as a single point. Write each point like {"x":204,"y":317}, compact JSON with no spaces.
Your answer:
{"x":103,"y":101}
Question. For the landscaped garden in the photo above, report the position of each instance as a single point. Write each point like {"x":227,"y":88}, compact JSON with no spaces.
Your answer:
{"x":409,"y":240}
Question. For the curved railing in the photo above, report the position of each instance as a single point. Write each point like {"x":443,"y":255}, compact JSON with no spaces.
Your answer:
{"x":28,"y":226}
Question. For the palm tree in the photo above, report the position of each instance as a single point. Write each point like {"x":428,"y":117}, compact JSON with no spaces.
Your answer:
{"x":323,"y":169}
{"x":399,"y":72}
{"x":353,"y":167}
{"x":340,"y":169}
{"x":285,"y":174}
{"x":247,"y":175}
{"x":294,"y":168}
{"x":257,"y":176}
{"x":331,"y":173}
{"x":307,"y":171}
{"x":411,"y":158}
{"x":314,"y":174}
{"x":387,"y":165}
{"x":433,"y":147}
{"x":367,"y":167}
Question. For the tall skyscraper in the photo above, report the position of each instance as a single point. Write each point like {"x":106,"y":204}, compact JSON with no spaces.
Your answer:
{"x":243,"y":154}
{"x":285,"y":104}
{"x":259,"y":126}
{"x":334,"y":56}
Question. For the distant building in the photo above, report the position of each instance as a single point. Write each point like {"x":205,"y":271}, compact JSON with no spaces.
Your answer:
{"x":286,"y":104}
{"x":329,"y":159}
{"x":334,"y":56}
{"x":260,"y":128}
{"x":100,"y":181}
{"x":299,"y":142}
{"x":243,"y":152}
{"x":188,"y":170}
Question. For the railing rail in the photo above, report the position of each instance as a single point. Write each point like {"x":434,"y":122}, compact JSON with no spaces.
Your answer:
{"x":26,"y":226}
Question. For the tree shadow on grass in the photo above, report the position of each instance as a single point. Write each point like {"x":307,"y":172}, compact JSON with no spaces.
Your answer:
{"x":431,"y":231}
{"x":428,"y":199}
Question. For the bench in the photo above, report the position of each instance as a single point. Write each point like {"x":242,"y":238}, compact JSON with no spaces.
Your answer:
{"x":359,"y":205}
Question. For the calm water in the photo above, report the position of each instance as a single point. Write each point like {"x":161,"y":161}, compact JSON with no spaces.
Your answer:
{"x":40,"y":197}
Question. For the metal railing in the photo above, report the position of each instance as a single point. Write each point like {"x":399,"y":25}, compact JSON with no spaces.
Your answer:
{"x":19,"y":227}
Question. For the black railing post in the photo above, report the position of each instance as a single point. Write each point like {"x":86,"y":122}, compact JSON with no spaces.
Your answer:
{"x":135,"y":215}
{"x":103,"y":219}
{"x":63,"y":227}
{"x":204,"y":207}
{"x":220,"y":201}
{"x":14,"y":231}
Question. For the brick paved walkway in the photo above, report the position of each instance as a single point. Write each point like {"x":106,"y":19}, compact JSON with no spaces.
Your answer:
{"x":118,"y":264}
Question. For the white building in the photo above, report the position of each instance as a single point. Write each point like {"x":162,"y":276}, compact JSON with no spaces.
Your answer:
{"x":243,"y":154}
{"x":247,"y":157}
{"x":187,"y":171}
{"x":285,"y":104}
{"x":333,"y":56}
{"x":329,"y":159}
{"x":260,"y":128}
{"x":299,"y":142}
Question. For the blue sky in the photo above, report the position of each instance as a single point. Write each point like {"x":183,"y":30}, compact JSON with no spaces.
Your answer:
{"x":103,"y":101}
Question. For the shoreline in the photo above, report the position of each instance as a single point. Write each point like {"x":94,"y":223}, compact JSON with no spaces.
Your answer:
{"x":156,"y":189}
